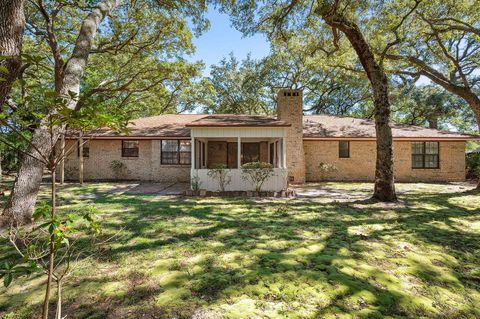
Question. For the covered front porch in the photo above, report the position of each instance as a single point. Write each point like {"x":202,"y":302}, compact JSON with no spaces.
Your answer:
{"x":214,"y":147}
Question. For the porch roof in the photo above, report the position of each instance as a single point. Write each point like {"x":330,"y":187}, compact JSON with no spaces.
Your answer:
{"x":234,"y":120}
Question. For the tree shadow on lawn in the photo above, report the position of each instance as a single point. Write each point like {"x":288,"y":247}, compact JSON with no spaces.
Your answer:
{"x":309,"y":259}
{"x":253,"y":233}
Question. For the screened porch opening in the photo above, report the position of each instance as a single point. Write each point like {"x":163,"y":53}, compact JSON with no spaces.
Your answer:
{"x":214,"y":152}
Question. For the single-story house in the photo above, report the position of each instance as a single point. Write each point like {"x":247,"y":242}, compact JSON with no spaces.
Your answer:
{"x":172,"y":148}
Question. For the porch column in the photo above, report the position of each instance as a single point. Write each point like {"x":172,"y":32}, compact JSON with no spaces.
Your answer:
{"x":284,"y":152}
{"x":80,"y":158}
{"x":239,"y":152}
{"x":192,"y":150}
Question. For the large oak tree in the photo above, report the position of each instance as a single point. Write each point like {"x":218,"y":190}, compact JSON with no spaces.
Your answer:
{"x":330,"y":19}
{"x":443,"y":45}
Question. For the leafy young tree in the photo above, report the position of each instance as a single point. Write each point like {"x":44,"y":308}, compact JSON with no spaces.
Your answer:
{"x":46,"y":240}
{"x":257,"y":173}
{"x":220,"y":173}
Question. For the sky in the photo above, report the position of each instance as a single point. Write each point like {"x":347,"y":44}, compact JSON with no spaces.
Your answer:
{"x":222,"y":38}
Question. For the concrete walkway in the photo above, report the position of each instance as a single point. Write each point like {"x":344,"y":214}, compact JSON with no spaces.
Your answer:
{"x":346,"y":192}
{"x":151,"y":188}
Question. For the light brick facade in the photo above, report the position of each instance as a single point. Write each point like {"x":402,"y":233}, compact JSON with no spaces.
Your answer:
{"x":360,"y":166}
{"x":290,"y":109}
{"x":147,"y":166}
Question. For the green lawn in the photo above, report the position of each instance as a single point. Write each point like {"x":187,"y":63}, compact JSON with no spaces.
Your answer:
{"x":300,"y":258}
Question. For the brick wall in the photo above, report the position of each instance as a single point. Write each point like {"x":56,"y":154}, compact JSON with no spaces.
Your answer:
{"x":147,"y":166}
{"x":361,"y":164}
{"x":290,"y":109}
{"x":359,"y":167}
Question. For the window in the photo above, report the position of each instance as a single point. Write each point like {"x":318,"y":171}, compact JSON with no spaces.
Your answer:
{"x":425,"y":155}
{"x":176,"y":152}
{"x":86,"y":149}
{"x":344,"y":149}
{"x":129,"y":148}
{"x":250,"y":152}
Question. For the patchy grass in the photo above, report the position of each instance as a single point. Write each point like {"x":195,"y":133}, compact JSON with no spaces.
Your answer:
{"x":326,"y":257}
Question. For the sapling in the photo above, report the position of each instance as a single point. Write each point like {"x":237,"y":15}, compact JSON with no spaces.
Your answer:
{"x":257,"y":173}
{"x":45,"y":245}
{"x":220,"y":173}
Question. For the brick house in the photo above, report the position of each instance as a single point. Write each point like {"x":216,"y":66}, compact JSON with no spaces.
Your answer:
{"x":171,"y":148}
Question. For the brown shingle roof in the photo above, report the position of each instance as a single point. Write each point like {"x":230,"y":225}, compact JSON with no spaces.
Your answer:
{"x":315,"y":126}
{"x":221,"y":120}
{"x":326,"y":126}
{"x":169,"y":125}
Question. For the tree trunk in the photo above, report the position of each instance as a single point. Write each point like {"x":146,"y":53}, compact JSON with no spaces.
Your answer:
{"x":477,"y":114}
{"x":25,"y":189}
{"x":433,"y":122}
{"x":51,"y":255}
{"x":384,"y":179}
{"x":24,"y":193}
{"x":12,"y":23}
{"x":59,"y":300}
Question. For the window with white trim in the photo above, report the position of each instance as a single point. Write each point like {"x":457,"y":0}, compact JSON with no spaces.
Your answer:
{"x":425,"y":155}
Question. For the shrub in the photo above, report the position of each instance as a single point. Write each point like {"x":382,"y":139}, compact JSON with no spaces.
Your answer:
{"x":118,"y":168}
{"x":257,"y":173}
{"x":196,"y":183}
{"x":220,"y":173}
{"x":473,"y":165}
{"x":326,"y":168}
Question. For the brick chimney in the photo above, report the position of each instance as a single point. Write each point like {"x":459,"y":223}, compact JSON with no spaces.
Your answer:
{"x":290,"y":109}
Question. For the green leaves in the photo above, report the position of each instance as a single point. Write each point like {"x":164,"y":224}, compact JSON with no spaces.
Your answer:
{"x":62,"y":230}
{"x":42,"y":211}
{"x":257,"y":173}
{"x":3,"y":69}
{"x":9,"y":270}
{"x":6,"y":273}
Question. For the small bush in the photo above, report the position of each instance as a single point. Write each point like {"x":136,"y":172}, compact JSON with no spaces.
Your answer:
{"x":196,"y":183}
{"x":220,"y":173}
{"x":326,"y":168}
{"x":473,"y":165}
{"x":257,"y":173}
{"x":118,"y":168}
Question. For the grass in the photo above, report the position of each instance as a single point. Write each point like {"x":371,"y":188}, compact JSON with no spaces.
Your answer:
{"x":302,"y":258}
